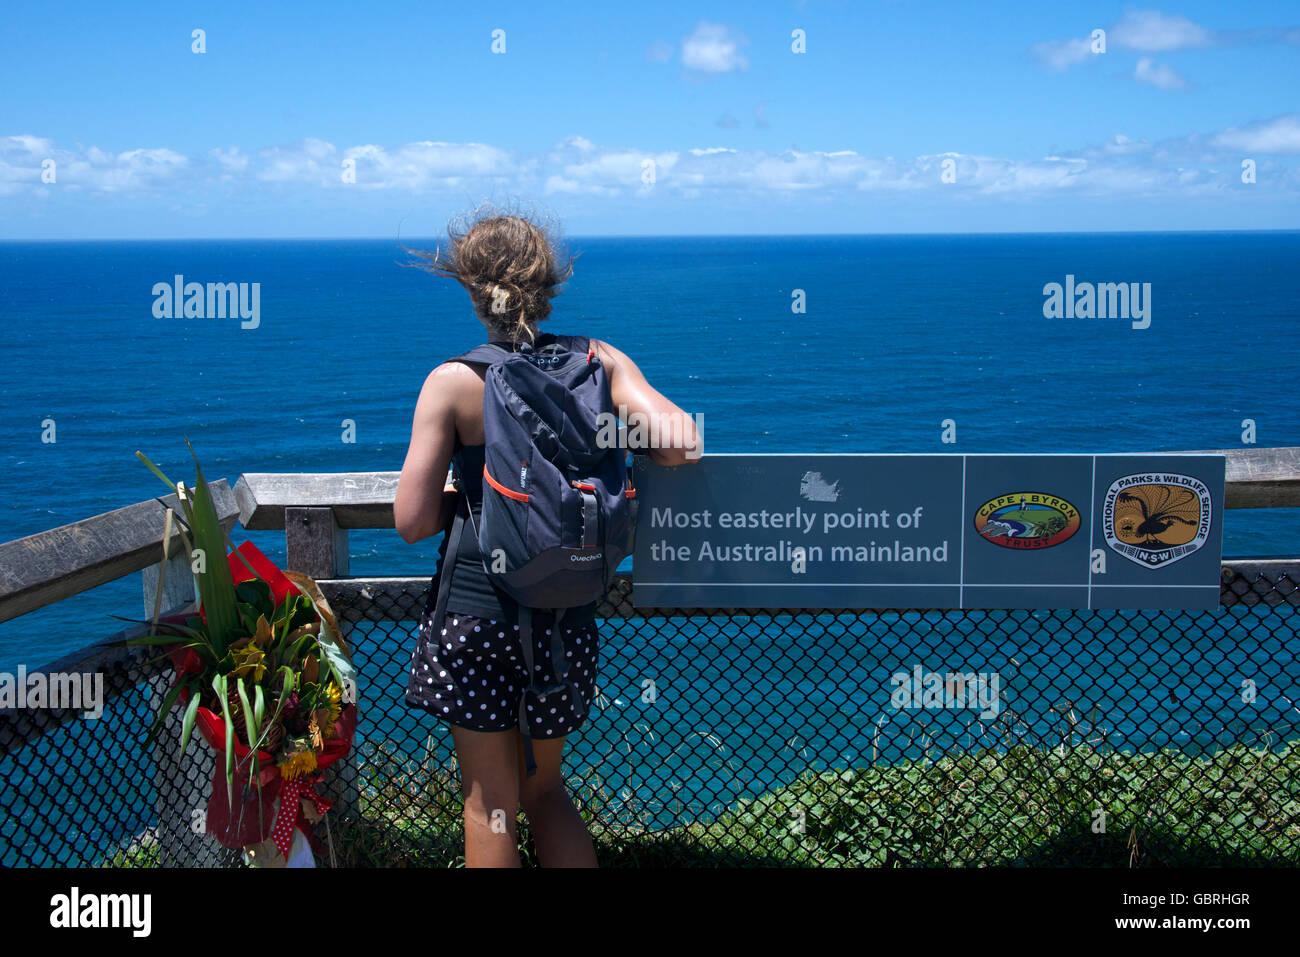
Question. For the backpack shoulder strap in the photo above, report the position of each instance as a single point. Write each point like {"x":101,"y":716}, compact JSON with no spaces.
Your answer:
{"x":487,"y":354}
{"x":449,"y":559}
{"x":583,"y":345}
{"x":575,"y":343}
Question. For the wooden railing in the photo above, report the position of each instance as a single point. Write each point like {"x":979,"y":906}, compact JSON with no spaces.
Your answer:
{"x":316,"y":511}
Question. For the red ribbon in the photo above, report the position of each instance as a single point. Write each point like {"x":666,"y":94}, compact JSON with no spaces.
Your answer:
{"x":291,"y":815}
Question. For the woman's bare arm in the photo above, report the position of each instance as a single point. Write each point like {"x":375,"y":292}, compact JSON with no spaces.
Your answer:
{"x":679,"y":442}
{"x":423,"y":505}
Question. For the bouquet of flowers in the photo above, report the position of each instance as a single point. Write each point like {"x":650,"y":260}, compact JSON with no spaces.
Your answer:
{"x":265,"y":675}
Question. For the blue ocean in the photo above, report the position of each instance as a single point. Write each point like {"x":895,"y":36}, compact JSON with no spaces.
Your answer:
{"x":898,"y":334}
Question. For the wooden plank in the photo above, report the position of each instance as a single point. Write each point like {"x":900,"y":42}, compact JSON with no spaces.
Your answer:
{"x":1261,"y":478}
{"x":49,"y":566}
{"x":359,"y":499}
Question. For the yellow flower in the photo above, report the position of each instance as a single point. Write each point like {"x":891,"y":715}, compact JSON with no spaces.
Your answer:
{"x":250,"y":660}
{"x":334,"y":702}
{"x":296,"y":763}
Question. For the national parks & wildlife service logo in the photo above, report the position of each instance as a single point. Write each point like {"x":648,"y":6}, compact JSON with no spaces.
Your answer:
{"x":1156,"y":519}
{"x":1027,"y":520}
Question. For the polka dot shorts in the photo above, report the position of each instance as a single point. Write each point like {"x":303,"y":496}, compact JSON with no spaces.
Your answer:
{"x":471,"y":674}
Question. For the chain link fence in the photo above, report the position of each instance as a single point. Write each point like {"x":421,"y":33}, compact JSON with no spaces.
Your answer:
{"x":771,"y":738}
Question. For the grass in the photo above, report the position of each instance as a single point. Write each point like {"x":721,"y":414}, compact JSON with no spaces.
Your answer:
{"x":143,"y":851}
{"x":1025,"y":807}
{"x":1018,"y":800}
{"x":1020,"y":806}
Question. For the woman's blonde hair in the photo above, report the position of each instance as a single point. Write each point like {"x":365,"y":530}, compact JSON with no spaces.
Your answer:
{"x":510,"y":265}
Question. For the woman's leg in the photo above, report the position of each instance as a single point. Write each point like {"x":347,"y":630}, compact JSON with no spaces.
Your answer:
{"x":490,"y":785}
{"x":561,"y":837}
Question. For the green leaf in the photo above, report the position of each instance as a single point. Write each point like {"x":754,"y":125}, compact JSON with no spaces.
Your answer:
{"x":216,"y":586}
{"x":157,"y":640}
{"x":304,"y":615}
{"x":187,"y":726}
{"x":250,"y":723}
{"x":298,"y":650}
{"x":287,"y":684}
{"x":249,"y":615}
{"x":257,"y":593}
{"x":156,"y":471}
{"x":168,"y":702}
{"x":333,"y":654}
{"x":219,"y":685}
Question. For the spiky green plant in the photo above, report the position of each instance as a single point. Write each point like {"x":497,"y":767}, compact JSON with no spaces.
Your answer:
{"x":247,"y":644}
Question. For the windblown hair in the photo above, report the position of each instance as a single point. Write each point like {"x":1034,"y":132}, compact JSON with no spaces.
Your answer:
{"x":510,"y":265}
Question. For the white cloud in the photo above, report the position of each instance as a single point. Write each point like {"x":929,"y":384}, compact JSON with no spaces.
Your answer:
{"x":713,"y":48}
{"x":1158,"y":75}
{"x":581,"y":143}
{"x":22,"y":158}
{"x":1151,"y":31}
{"x":1060,"y":55}
{"x":611,"y":172}
{"x":231,"y":160}
{"x":413,"y":166}
{"x":1121,"y":145}
{"x":305,"y":161}
{"x":1119,"y":165}
{"x":28,"y":144}
{"x":1278,"y":135}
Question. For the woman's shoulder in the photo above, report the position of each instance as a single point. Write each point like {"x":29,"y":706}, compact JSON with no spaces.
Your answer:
{"x":609,"y":355}
{"x":451,"y":371}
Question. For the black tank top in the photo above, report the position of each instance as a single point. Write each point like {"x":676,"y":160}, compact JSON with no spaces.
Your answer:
{"x":471,"y":591}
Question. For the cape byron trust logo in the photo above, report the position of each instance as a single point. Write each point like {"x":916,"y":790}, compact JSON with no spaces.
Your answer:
{"x":1027,"y":520}
{"x":1156,"y":519}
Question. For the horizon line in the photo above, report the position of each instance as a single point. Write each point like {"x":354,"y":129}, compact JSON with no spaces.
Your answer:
{"x":571,"y":236}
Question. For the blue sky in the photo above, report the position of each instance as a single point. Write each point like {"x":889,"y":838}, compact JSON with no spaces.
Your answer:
{"x":149,"y":139}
